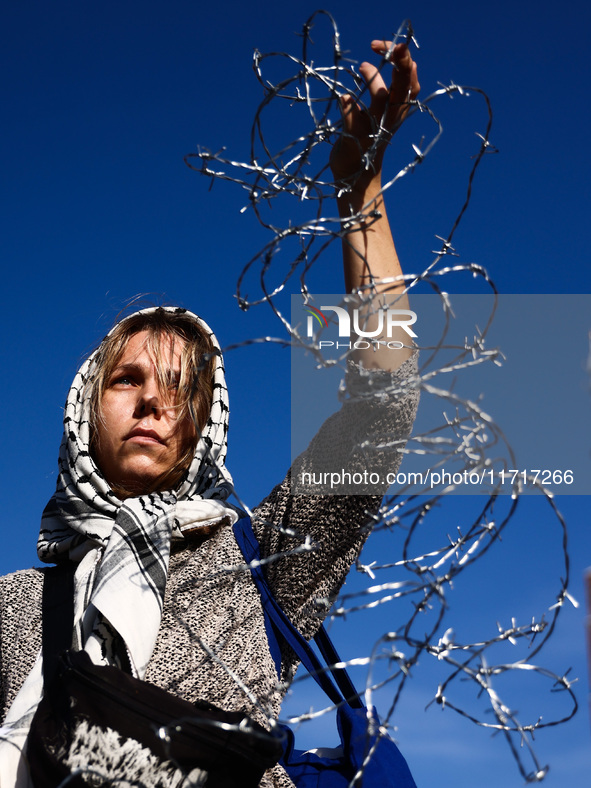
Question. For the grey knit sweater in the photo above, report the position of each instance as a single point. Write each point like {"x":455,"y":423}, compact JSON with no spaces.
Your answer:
{"x":212,"y":642}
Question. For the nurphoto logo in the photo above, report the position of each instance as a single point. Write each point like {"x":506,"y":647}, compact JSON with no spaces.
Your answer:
{"x":387,"y":321}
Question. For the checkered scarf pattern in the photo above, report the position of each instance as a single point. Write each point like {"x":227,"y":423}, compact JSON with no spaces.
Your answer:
{"x":122,"y":548}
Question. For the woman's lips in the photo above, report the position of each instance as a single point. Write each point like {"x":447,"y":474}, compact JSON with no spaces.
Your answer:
{"x":139,"y":435}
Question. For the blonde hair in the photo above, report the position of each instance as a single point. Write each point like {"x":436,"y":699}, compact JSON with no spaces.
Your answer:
{"x":195,"y":387}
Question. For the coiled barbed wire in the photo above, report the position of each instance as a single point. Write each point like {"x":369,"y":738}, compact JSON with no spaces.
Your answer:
{"x":429,"y":564}
{"x":299,"y":171}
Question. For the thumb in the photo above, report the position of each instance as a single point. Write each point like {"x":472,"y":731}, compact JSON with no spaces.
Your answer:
{"x":349,"y":111}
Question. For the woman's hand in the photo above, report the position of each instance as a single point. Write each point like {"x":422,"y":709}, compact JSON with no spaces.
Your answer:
{"x":387,"y":109}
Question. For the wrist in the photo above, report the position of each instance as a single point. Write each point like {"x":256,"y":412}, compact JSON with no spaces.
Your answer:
{"x":361,"y":195}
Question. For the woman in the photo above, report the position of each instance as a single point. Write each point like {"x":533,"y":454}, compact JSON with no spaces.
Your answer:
{"x":141,"y":503}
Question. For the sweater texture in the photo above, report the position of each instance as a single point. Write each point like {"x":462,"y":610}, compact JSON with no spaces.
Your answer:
{"x":212,"y":643}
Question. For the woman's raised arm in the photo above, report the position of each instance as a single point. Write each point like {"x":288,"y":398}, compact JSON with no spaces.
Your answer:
{"x":369,"y":253}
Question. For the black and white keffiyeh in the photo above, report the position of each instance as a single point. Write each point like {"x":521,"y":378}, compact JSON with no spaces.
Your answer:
{"x":122,"y":548}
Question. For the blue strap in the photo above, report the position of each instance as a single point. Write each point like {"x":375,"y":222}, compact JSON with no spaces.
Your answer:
{"x":277,"y":623}
{"x":307,"y":769}
{"x":342,"y":678}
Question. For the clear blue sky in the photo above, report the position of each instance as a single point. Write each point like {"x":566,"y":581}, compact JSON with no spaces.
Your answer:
{"x":100,"y":103}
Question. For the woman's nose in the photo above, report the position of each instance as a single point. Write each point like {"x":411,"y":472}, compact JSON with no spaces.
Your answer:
{"x":149,"y":402}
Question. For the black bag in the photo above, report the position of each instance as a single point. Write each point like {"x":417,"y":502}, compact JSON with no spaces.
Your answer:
{"x":98,"y":725}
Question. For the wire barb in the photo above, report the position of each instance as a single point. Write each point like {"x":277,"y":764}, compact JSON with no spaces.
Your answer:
{"x":296,"y":172}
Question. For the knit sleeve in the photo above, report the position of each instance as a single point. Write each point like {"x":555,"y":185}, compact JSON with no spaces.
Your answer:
{"x":368,"y":432}
{"x":2,"y":642}
{"x":20,"y":631}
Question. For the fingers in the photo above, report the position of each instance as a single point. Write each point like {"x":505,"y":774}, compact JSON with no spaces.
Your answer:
{"x":393,"y":101}
{"x":376,"y":86}
{"x":404,"y":76}
{"x":404,"y":86}
{"x":349,"y":111}
{"x":388,"y":106}
{"x":355,"y":121}
{"x":394,"y":53}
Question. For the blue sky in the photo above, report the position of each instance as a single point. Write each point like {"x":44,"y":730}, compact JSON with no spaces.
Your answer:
{"x":102,"y":101}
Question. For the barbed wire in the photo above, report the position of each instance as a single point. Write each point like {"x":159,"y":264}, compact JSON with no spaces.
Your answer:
{"x":292,"y":171}
{"x":429,"y":563}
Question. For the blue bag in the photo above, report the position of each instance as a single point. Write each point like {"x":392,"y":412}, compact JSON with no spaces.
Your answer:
{"x":365,"y":759}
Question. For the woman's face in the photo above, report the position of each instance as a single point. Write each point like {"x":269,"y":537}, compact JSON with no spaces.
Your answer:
{"x":139,"y":437}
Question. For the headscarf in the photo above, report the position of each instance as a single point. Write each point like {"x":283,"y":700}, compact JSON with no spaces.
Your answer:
{"x":122,"y":548}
